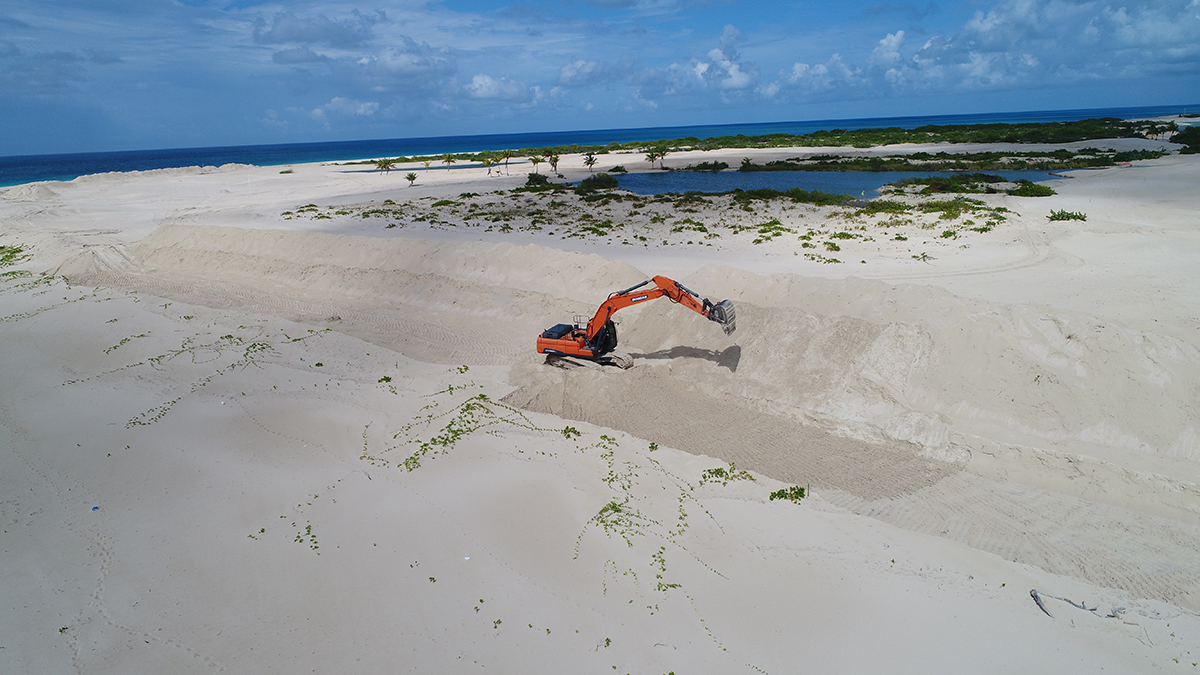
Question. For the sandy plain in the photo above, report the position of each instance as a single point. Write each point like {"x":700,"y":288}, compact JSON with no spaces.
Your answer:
{"x":241,"y":434}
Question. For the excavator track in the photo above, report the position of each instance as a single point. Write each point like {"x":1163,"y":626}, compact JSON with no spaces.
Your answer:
{"x":618,"y":359}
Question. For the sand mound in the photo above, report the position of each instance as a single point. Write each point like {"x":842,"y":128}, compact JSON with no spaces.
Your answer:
{"x":928,"y":410}
{"x":30,"y":192}
{"x":440,"y":302}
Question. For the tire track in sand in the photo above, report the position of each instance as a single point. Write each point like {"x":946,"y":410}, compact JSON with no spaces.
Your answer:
{"x":1146,"y":555}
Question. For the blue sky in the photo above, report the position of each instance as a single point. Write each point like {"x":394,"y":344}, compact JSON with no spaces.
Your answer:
{"x":89,"y":75}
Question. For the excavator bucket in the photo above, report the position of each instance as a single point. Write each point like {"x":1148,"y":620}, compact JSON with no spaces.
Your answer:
{"x":723,"y":313}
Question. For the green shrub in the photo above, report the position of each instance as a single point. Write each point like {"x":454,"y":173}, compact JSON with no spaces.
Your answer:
{"x":534,"y":180}
{"x":600,"y":181}
{"x":1030,"y":189}
{"x":706,"y":166}
{"x":618,"y":169}
{"x":1189,"y":136}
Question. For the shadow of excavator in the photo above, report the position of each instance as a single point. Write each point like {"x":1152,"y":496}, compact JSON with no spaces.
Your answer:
{"x":726,"y":358}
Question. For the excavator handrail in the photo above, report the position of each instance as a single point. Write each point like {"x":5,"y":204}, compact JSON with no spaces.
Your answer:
{"x":630,"y":289}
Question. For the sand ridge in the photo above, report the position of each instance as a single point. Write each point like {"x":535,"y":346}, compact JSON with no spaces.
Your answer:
{"x":879,"y":407}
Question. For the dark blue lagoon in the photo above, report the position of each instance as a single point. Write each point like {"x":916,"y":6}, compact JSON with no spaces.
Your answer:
{"x":853,"y":183}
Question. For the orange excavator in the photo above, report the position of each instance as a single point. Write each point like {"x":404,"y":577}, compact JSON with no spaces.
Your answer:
{"x":598,"y":339}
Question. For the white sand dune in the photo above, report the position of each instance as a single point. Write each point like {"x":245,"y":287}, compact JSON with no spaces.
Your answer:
{"x":233,"y":445}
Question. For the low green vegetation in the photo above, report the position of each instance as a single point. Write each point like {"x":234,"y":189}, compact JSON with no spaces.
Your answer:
{"x":973,"y":183}
{"x":1030,"y":189}
{"x":798,"y":195}
{"x":712,"y":167}
{"x":883,"y":206}
{"x":1066,"y":215}
{"x":1045,"y":160}
{"x":724,"y":475}
{"x":793,"y":494}
{"x":1189,"y":137}
{"x":600,"y":181}
{"x":12,"y":255}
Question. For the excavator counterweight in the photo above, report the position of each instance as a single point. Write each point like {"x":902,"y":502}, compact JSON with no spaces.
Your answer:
{"x":597,"y":340}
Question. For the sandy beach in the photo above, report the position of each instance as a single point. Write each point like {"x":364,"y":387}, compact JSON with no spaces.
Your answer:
{"x":291,"y":419}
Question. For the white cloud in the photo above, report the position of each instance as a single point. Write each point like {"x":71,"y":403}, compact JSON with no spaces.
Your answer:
{"x":582,"y":72}
{"x":729,"y":73}
{"x":287,"y":28}
{"x":1015,"y":43}
{"x":503,"y":89}
{"x":833,"y":73}
{"x":346,"y":106}
{"x":887,"y":52}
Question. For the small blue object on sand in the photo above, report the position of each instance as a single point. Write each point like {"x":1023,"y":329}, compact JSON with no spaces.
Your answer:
{"x":95,"y":508}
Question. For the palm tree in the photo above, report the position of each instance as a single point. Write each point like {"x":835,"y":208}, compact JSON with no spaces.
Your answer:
{"x":487,"y":162}
{"x":589,"y":160}
{"x":385,"y":165}
{"x":427,"y":162}
{"x":412,"y":178}
{"x":535,"y":160}
{"x":553,"y":160}
{"x":652,"y":156}
{"x":663,"y":151}
{"x":448,"y":159}
{"x":507,"y":155}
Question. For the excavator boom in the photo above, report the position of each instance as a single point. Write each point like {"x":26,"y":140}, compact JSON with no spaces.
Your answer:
{"x":599,"y":336}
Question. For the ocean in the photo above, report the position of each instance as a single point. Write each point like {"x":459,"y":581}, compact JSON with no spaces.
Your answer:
{"x":30,"y":168}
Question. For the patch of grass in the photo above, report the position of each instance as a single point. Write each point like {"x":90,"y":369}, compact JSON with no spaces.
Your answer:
{"x":961,"y":183}
{"x":884,"y":206}
{"x":816,"y":197}
{"x":771,"y":229}
{"x":817,"y":257}
{"x":792,"y":494}
{"x":1067,"y":215}
{"x":12,"y":255}
{"x":476,"y":413}
{"x":950,"y":209}
{"x":724,"y":475}
{"x":1030,"y":189}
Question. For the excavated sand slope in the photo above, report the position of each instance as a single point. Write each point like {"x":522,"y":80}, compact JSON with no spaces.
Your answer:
{"x":1045,"y":437}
